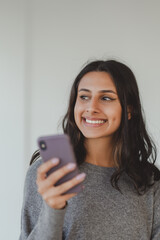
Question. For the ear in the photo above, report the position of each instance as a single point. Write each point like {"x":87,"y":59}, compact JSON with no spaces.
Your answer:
{"x":129,"y":111}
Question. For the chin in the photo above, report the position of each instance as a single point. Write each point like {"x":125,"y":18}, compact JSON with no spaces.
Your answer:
{"x":94,"y":135}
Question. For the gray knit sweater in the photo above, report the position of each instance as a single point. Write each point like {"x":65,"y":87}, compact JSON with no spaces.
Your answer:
{"x":99,"y":212}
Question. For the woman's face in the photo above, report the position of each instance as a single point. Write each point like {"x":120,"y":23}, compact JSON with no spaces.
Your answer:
{"x":97,"y":109}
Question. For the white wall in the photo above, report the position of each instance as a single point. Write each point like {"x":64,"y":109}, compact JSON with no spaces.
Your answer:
{"x":65,"y":34}
{"x":43,"y":45}
{"x":12,"y":108}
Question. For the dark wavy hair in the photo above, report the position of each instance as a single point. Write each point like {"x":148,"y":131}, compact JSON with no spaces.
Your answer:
{"x":134,"y":151}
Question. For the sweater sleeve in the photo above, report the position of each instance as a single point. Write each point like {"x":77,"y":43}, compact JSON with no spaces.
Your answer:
{"x":156,"y":214}
{"x":38,"y":220}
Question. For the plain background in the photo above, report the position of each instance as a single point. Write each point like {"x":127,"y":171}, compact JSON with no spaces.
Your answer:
{"x":43,"y":46}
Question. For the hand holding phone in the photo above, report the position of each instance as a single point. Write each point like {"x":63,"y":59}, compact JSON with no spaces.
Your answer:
{"x":63,"y":179}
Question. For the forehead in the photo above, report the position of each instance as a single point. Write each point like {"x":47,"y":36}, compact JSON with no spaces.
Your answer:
{"x":97,"y":81}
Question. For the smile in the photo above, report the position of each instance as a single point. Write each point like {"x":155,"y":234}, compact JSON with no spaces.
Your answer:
{"x":94,"y":122}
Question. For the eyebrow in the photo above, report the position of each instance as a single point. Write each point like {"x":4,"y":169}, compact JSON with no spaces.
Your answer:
{"x":101,"y":91}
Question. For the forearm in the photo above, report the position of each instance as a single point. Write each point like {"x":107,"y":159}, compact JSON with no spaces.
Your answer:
{"x":48,"y":227}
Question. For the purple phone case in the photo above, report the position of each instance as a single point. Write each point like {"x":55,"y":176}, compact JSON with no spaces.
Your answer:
{"x":59,"y":146}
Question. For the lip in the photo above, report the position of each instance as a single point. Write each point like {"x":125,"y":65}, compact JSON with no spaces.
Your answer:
{"x":95,"y":119}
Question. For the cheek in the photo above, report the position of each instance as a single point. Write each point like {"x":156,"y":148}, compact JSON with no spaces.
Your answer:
{"x":119,"y":117}
{"x":116,"y":120}
{"x":77,"y":111}
{"x":116,"y":114}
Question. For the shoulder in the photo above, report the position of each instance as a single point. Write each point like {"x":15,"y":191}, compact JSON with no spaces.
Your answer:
{"x":32,"y":170}
{"x":30,"y":188}
{"x":156,"y":181}
{"x":157,"y":188}
{"x":34,"y":166}
{"x":32,"y":201}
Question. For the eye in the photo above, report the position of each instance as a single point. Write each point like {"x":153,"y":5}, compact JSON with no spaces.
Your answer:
{"x":83,"y":97}
{"x":107,"y":98}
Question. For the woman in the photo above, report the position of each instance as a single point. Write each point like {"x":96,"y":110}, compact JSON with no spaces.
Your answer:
{"x":116,"y":156}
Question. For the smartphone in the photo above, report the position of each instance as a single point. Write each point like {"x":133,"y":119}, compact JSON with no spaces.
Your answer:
{"x":59,"y":146}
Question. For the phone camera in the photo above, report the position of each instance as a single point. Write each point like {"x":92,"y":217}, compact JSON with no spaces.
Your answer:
{"x":43,"y":145}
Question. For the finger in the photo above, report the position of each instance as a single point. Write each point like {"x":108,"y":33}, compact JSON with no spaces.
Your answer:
{"x":70,"y":184}
{"x":45,"y":167}
{"x":60,"y":202}
{"x":50,"y":194}
{"x":64,"y":187}
{"x":58,"y":174}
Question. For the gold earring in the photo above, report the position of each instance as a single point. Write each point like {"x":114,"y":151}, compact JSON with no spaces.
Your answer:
{"x":129,"y":115}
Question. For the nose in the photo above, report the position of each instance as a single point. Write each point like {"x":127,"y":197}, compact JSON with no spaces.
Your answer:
{"x":92,"y":106}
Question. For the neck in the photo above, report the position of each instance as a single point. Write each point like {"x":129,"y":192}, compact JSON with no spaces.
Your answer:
{"x":99,"y":152}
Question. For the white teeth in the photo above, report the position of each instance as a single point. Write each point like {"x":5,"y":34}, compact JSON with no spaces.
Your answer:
{"x":89,"y":121}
